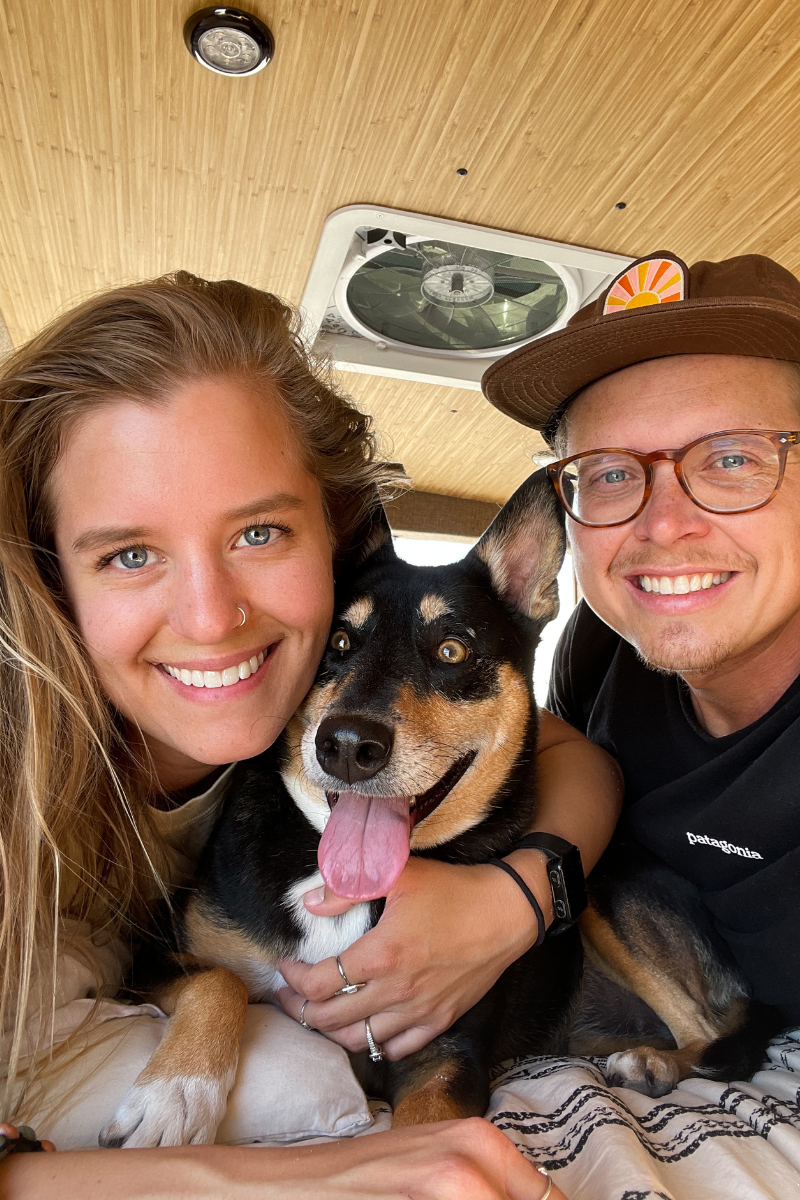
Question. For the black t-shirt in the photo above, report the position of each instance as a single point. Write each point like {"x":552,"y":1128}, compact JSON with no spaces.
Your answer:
{"x":724,"y":812}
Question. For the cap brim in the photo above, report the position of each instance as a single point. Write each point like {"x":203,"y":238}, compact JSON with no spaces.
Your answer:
{"x":531,"y":383}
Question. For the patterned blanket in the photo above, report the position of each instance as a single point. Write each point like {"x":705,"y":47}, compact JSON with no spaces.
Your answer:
{"x":703,"y":1141}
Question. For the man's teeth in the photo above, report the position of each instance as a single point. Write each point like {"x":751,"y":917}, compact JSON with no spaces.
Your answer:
{"x":679,"y":585}
{"x":215,"y":679}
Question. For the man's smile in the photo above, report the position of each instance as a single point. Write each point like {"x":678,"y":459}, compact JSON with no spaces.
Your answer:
{"x":681,"y":585}
{"x":679,"y":592}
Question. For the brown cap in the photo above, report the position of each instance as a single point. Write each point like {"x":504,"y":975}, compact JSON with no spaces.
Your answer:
{"x":656,"y":307}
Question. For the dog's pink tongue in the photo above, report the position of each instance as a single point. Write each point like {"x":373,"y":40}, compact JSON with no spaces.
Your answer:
{"x":365,"y":845}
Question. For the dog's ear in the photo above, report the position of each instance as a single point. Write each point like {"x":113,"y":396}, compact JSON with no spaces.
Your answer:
{"x":373,"y":537}
{"x":524,"y":548}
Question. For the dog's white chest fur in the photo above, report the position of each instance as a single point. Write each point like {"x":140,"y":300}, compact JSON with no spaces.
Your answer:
{"x":324,"y":937}
{"x":321,"y":937}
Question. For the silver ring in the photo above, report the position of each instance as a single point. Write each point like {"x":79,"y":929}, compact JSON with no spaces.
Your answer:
{"x":303,"y":1020}
{"x":375,"y":1051}
{"x":349,"y":988}
{"x":244,"y":617}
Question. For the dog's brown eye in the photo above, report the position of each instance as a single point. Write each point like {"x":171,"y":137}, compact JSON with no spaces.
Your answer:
{"x":451,"y":650}
{"x":340,"y":640}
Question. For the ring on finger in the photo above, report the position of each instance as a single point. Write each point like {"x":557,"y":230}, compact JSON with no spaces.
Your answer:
{"x":349,"y":988}
{"x":375,"y":1051}
{"x":303,"y":1020}
{"x":549,"y":1187}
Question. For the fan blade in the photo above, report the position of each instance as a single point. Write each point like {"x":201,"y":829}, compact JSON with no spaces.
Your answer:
{"x":489,"y":333}
{"x":438,"y":317}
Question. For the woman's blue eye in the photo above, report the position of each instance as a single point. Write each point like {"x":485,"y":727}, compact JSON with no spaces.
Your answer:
{"x":615,"y":476}
{"x":133,"y":557}
{"x":257,"y":535}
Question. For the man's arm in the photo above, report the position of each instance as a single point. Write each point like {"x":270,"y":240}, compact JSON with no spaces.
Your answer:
{"x":579,"y":799}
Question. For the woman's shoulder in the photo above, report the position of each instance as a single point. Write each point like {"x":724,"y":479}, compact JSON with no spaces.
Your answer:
{"x":184,"y":830}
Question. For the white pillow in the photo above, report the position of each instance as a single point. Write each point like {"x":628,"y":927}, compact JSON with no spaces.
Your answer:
{"x":291,"y":1084}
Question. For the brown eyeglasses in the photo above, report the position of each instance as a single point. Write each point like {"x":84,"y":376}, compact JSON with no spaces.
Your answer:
{"x":735,"y":471}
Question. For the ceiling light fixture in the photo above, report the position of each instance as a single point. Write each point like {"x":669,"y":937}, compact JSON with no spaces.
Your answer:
{"x":228,"y":40}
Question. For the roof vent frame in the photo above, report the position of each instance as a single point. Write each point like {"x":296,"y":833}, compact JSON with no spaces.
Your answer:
{"x":346,"y":244}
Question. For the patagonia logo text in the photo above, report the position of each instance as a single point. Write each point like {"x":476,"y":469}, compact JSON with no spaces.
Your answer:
{"x":700,"y":839}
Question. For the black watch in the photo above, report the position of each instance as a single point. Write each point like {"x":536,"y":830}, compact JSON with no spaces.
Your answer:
{"x":567,"y":882}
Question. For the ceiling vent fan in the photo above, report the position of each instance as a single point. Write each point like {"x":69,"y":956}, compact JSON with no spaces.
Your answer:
{"x":416,"y":297}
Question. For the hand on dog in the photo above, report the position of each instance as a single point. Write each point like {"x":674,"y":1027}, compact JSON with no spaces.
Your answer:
{"x":446,"y":935}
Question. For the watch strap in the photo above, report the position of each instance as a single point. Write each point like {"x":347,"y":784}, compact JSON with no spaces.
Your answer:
{"x":548,"y":843}
{"x":565,"y":872}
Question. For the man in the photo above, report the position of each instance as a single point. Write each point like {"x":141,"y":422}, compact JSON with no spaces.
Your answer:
{"x":683,"y":658}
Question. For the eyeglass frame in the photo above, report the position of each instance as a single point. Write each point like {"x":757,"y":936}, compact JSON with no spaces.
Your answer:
{"x":783,"y":440}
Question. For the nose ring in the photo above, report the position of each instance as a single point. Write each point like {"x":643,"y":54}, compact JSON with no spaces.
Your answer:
{"x":244,"y":617}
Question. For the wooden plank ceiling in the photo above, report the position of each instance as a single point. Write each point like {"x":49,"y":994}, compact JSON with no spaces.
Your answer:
{"x":121,"y":158}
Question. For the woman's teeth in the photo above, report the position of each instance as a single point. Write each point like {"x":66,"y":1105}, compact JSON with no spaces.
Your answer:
{"x":215,"y":679}
{"x":679,"y":585}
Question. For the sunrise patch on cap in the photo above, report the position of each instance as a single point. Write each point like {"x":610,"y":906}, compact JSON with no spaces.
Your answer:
{"x":649,"y":281}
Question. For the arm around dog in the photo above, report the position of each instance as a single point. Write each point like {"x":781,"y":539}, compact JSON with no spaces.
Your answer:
{"x":579,"y":798}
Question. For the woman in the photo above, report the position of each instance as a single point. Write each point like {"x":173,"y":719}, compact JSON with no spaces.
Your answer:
{"x":177,"y":489}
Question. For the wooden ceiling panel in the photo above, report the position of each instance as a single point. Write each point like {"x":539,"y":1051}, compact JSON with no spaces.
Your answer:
{"x":449,"y":440}
{"x":121,"y":158}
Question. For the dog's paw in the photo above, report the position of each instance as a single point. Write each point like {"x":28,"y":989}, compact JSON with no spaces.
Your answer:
{"x":651,"y":1072}
{"x":179,"y":1111}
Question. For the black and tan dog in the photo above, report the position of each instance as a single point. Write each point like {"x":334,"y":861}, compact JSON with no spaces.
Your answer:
{"x":418,"y":736}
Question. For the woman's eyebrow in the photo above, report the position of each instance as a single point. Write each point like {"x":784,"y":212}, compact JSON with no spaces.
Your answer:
{"x":278,"y":502}
{"x":95,"y":539}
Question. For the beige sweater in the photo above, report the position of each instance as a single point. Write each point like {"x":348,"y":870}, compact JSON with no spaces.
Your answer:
{"x":84,"y":958}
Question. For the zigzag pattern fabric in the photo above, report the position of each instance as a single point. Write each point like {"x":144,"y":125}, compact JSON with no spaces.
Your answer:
{"x":703,"y":1141}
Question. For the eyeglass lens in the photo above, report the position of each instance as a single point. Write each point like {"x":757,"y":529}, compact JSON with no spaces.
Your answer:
{"x":726,"y":473}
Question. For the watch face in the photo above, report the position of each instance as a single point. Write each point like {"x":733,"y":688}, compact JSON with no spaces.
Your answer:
{"x":569,"y":888}
{"x":565,"y":872}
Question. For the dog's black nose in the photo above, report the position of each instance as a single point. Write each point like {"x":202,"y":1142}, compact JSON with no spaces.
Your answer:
{"x":353,"y":747}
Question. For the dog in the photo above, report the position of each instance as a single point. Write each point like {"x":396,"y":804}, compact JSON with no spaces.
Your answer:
{"x":418,"y":736}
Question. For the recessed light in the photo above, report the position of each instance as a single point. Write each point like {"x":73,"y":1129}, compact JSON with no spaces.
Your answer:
{"x":228,"y":40}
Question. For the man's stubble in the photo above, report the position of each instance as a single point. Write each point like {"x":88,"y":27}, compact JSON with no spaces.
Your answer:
{"x":679,"y":649}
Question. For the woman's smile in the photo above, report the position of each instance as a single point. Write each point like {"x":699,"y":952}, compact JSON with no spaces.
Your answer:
{"x":212,"y":681}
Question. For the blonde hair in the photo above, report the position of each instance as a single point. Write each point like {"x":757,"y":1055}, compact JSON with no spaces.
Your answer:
{"x":75,"y":838}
